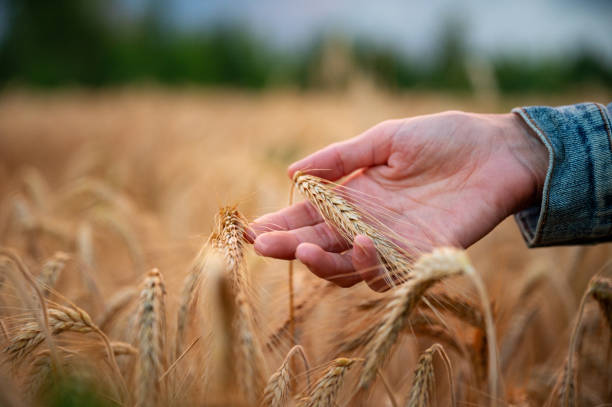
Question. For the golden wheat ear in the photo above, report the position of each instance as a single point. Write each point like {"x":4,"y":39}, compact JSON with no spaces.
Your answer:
{"x":325,"y":390}
{"x":278,"y":388}
{"x":349,"y":221}
{"x":151,"y":341}
{"x":428,"y":270}
{"x":423,"y":382}
{"x":229,"y":240}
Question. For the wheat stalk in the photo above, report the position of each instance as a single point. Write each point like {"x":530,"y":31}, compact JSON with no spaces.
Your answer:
{"x":61,"y":319}
{"x":115,"y":304}
{"x":428,"y":270}
{"x":4,"y":330}
{"x":151,"y":341}
{"x":345,"y":218}
{"x":41,"y":365}
{"x":42,"y":322}
{"x":188,"y":298}
{"x":228,"y":239}
{"x":601,"y":290}
{"x":278,"y":387}
{"x":326,"y":389}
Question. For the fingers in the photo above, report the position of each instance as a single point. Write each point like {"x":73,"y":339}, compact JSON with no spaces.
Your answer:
{"x":283,"y":244}
{"x":333,"y":267}
{"x":365,"y":261}
{"x":345,"y":269}
{"x":293,"y":217}
{"x":337,"y":160}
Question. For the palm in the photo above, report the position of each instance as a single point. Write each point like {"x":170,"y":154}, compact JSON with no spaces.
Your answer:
{"x":442,"y":177}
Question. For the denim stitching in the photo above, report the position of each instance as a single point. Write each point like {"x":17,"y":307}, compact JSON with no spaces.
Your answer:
{"x":606,"y":124}
{"x":545,"y":195}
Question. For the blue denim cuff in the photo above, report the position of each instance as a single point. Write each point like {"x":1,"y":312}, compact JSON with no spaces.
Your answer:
{"x":576,"y":205}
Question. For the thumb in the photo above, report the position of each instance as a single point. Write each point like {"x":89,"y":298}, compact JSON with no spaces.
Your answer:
{"x":371,"y":148}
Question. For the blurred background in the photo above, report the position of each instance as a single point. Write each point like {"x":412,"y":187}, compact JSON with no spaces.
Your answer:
{"x":467,"y":46}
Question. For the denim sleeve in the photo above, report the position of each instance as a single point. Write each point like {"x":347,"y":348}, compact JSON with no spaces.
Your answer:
{"x":576,"y":205}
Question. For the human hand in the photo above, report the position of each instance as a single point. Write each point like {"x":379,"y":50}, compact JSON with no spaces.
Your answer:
{"x":450,"y":177}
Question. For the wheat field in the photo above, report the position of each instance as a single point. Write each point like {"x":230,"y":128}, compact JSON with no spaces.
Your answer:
{"x":125,"y":278}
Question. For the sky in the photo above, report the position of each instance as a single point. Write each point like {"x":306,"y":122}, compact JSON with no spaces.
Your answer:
{"x":527,"y":27}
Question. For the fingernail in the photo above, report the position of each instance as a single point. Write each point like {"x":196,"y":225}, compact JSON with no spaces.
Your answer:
{"x":250,"y":235}
{"x":260,"y":245}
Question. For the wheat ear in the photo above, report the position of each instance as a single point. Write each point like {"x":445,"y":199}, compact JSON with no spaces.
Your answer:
{"x":428,"y":270}
{"x":326,"y":389}
{"x":51,"y":271}
{"x":278,"y":388}
{"x":151,"y":341}
{"x":345,"y":218}
{"x":600,"y":289}
{"x":60,"y":319}
{"x":41,"y":365}
{"x":423,"y":381}
{"x":228,"y":239}
{"x":43,"y":322}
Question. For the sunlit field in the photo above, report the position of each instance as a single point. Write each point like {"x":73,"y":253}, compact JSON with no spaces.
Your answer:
{"x":98,"y":188}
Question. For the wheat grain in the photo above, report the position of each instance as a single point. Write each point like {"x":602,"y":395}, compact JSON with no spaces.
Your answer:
{"x":228,"y":239}
{"x":43,"y":322}
{"x":61,"y":319}
{"x":428,"y":270}
{"x":424,"y":379}
{"x":345,"y":218}
{"x":326,"y":389}
{"x":151,"y":341}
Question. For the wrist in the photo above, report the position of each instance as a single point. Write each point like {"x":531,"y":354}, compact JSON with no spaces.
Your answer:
{"x":532,"y":157}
